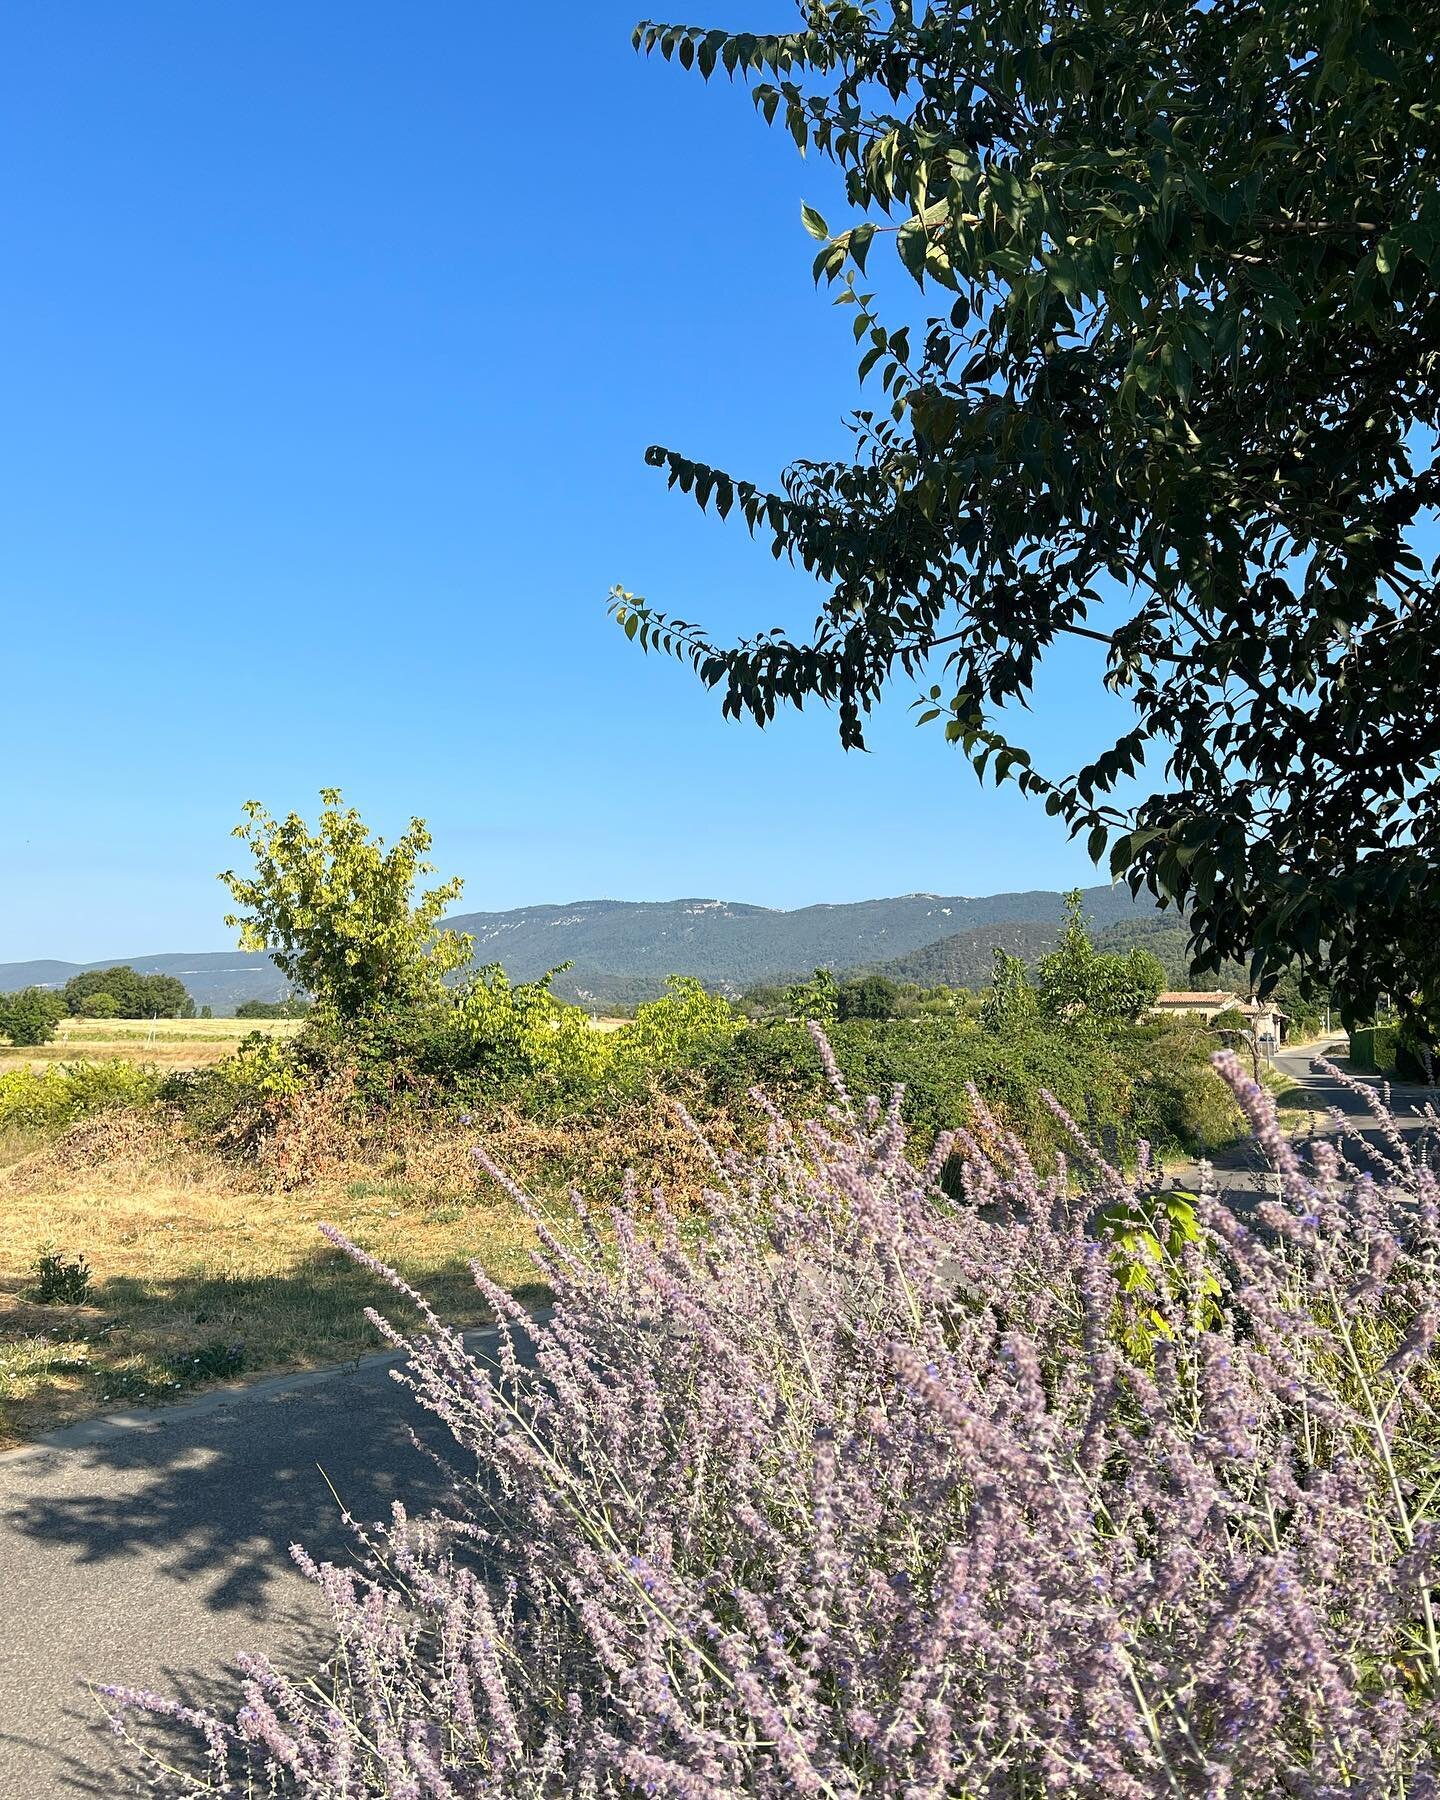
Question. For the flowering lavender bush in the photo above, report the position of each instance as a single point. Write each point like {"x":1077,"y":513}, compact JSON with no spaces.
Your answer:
{"x":869,"y":1492}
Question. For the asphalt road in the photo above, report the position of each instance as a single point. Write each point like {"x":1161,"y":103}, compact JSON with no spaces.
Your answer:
{"x":150,"y":1552}
{"x":1243,"y":1173}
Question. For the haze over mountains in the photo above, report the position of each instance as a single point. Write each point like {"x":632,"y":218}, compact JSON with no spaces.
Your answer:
{"x":622,"y":950}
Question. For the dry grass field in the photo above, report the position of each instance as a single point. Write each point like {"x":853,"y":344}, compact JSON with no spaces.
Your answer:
{"x":199,"y":1274}
{"x":204,"y":1270}
{"x":163,"y":1043}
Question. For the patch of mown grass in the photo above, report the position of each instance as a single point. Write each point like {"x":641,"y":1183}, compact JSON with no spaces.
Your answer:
{"x":195,"y":1283}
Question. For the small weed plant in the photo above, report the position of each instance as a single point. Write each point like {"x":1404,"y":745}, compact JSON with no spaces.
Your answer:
{"x":870,"y":1493}
{"x":59,"y":1280}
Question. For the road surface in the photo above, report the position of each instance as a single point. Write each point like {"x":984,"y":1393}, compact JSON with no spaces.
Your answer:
{"x":1243,"y":1174}
{"x":149,"y":1554}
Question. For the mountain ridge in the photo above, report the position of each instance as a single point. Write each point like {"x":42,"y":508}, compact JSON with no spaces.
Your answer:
{"x":621,"y":950}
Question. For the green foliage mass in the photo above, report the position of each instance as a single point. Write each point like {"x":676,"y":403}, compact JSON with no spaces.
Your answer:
{"x":30,"y":1016}
{"x":817,"y":999}
{"x":869,"y":997}
{"x":1376,"y":1048}
{"x":273,"y":1009}
{"x":1174,"y":394}
{"x":1012,"y":1005}
{"x":1089,"y":992}
{"x":50,"y":1098}
{"x":133,"y":995}
{"x":338,"y":913}
{"x":1154,"y":1083}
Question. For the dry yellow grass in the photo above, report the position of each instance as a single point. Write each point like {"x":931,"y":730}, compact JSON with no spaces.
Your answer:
{"x":165,"y":1043}
{"x":191,"y":1255}
{"x":199,"y":1274}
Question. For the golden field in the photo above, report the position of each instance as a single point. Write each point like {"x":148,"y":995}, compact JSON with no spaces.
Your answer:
{"x":164,"y":1043}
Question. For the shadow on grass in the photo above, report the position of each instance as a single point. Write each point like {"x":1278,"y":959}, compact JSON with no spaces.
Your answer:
{"x":144,"y":1341}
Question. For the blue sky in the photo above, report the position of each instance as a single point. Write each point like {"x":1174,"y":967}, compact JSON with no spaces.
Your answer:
{"x":334,"y":338}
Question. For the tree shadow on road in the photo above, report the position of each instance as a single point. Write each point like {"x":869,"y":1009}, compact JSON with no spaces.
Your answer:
{"x":169,"y":1544}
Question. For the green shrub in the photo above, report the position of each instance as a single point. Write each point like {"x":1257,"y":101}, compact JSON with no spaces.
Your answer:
{"x":1152,"y":1081}
{"x":686,"y":1026}
{"x":1375,"y":1048}
{"x":272,"y":1009}
{"x":59,"y":1280}
{"x":52,"y":1098}
{"x":871,"y":997}
{"x":99,"y":1006}
{"x":1177,"y":1104}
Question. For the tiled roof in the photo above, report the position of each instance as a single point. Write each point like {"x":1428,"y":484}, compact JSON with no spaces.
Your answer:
{"x":1177,"y":999}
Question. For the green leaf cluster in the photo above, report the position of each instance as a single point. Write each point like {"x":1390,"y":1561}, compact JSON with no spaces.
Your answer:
{"x":338,"y":913}
{"x":1175,"y":396}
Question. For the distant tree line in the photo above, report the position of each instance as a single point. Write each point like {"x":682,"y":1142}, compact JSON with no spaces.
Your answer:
{"x":32,"y":1015}
{"x":122,"y":993}
{"x":290,"y":1008}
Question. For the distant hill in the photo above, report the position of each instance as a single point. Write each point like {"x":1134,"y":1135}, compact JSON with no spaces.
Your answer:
{"x":219,"y":979}
{"x":965,"y":958}
{"x":622,"y":950}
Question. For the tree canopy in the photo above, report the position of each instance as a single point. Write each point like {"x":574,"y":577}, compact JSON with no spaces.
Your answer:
{"x":30,"y":1016}
{"x":133,"y":996}
{"x":1177,"y":395}
{"x":338,"y":912}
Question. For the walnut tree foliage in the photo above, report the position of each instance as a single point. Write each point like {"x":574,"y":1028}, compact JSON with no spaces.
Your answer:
{"x":1177,"y":394}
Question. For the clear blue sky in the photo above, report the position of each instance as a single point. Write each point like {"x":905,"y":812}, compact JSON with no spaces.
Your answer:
{"x":334,"y":336}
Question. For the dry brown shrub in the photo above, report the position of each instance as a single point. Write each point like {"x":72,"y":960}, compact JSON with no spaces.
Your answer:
{"x":116,"y":1151}
{"x":322,"y":1138}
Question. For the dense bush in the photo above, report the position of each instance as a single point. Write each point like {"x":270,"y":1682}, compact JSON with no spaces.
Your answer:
{"x":872,"y":1494}
{"x":871,"y":997}
{"x":50,"y":1098}
{"x":30,"y":1016}
{"x":1375,"y":1048}
{"x":1152,"y":1081}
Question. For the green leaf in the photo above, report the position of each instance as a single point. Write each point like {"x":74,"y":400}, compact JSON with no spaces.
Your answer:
{"x":911,"y":243}
{"x":814,"y":223}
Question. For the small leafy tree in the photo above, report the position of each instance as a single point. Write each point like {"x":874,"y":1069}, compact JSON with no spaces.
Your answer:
{"x":338,"y":913}
{"x":1011,"y":1004}
{"x":870,"y":997}
{"x":817,"y":999}
{"x":1090,"y":990}
{"x":30,"y":1016}
{"x":684,"y":1024}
